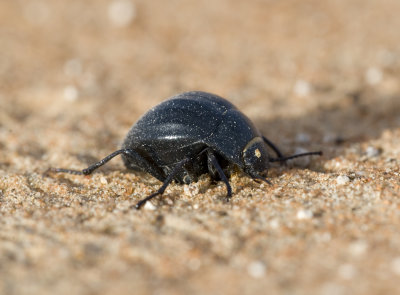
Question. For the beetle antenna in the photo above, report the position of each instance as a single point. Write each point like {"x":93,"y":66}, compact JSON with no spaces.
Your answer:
{"x":283,"y":159}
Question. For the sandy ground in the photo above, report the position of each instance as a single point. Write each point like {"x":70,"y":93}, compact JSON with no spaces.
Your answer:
{"x":313,"y":75}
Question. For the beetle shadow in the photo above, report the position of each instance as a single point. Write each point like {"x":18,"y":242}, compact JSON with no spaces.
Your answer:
{"x":357,"y":118}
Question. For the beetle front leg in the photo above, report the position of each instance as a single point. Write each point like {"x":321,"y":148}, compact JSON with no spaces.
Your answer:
{"x":213,"y":160}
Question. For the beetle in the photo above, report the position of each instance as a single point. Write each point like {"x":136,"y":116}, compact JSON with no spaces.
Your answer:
{"x":191,"y":134}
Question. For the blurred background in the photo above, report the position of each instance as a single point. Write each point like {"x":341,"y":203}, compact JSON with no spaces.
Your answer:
{"x":106,"y":62}
{"x":313,"y":75}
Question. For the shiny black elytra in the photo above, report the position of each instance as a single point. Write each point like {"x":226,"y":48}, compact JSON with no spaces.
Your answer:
{"x":191,"y":134}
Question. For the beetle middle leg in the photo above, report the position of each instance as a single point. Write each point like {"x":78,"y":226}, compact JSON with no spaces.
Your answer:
{"x":167,"y":182}
{"x":213,"y":160}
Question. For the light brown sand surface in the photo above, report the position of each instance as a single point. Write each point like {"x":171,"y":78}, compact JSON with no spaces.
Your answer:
{"x":312,"y":75}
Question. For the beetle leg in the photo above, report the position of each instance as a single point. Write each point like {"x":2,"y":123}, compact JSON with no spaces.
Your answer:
{"x":127,"y":152}
{"x":211,"y":158}
{"x":273,"y":147}
{"x":92,"y":167}
{"x":144,"y":164}
{"x":257,"y":177}
{"x":167,"y":181}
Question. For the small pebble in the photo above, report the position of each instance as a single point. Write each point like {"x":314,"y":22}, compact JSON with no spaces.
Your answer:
{"x":191,"y":189}
{"x":121,"y":12}
{"x":360,"y":173}
{"x":274,"y":223}
{"x":256,"y":269}
{"x":372,"y":152}
{"x":149,"y":206}
{"x":373,"y":76}
{"x":304,"y":214}
{"x":358,"y":248}
{"x":396,"y":265}
{"x":302,"y":88}
{"x":71,"y":93}
{"x":342,"y":179}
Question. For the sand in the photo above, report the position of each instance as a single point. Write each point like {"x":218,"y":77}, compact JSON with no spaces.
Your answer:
{"x":312,"y":75}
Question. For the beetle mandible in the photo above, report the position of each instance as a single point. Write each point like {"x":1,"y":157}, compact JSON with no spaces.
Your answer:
{"x":191,"y":134}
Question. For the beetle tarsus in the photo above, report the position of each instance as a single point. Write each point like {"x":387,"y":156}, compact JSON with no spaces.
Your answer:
{"x":141,"y":203}
{"x":62,"y":170}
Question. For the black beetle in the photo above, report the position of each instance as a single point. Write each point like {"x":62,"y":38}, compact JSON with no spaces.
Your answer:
{"x":191,"y":134}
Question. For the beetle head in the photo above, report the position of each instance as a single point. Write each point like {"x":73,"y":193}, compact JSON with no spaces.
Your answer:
{"x":255,"y":157}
